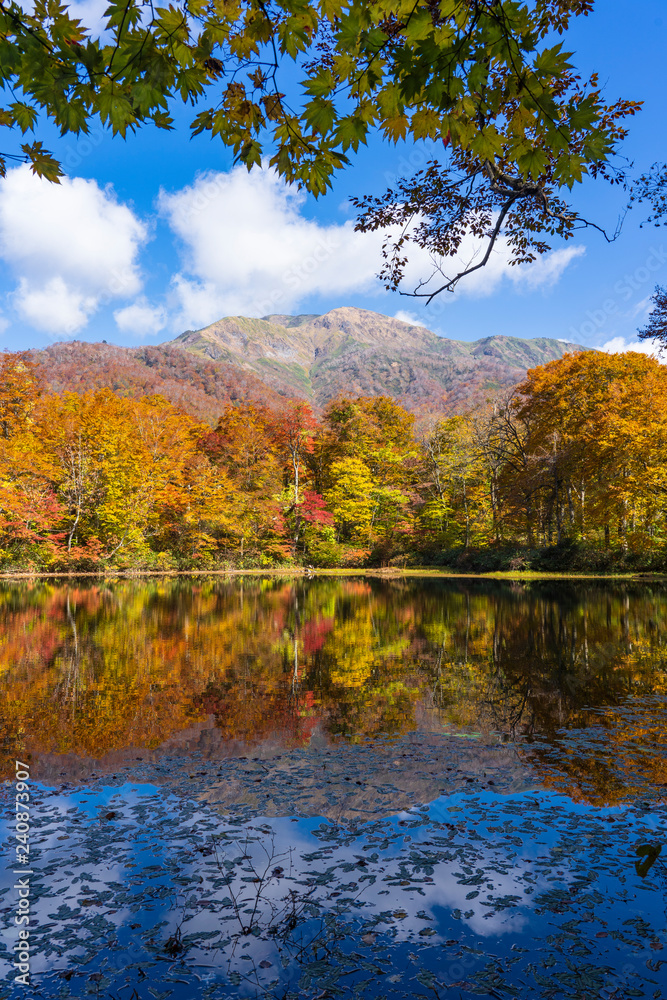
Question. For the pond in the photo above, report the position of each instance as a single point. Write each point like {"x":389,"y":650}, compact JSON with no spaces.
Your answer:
{"x":290,"y":788}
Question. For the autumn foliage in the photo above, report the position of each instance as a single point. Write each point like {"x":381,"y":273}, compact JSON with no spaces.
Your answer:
{"x":107,"y":670}
{"x":577,"y":453}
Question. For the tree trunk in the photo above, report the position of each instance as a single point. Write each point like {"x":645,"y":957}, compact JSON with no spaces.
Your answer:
{"x":570,"y":505}
{"x":465,"y":506}
{"x":529,"y":524}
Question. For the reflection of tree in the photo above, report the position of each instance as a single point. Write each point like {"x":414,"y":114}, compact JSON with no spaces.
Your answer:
{"x":69,"y":685}
{"x":94,"y":669}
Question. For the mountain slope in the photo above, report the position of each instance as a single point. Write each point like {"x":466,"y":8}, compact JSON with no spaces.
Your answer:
{"x":357,"y":352}
{"x":344,"y":352}
{"x":197,"y":385}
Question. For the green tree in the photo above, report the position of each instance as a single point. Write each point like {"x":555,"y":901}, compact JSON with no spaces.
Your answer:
{"x":456,"y":508}
{"x":301,"y":84}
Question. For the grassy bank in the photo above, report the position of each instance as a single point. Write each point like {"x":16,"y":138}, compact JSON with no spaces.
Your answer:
{"x":569,"y":559}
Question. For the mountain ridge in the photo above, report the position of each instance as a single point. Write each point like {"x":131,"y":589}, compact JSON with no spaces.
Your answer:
{"x":356,"y":351}
{"x":347,"y":351}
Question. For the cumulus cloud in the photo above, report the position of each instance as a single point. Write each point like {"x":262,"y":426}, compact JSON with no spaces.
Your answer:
{"x":141,"y":318}
{"x":408,"y":317}
{"x":619,"y":345}
{"x":544,"y":272}
{"x":247,"y":248}
{"x":70,"y":246}
{"x":53,"y":305}
{"x":547,"y":270}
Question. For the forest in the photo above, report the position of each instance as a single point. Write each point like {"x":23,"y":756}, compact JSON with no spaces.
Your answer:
{"x":566,"y":471}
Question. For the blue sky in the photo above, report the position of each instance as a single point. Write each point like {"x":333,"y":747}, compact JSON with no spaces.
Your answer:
{"x":158,"y":234}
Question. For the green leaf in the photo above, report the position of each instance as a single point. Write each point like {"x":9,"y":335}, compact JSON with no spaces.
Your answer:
{"x":419,"y":26}
{"x":42,"y":162}
{"x":320,"y":115}
{"x":24,"y":115}
{"x":350,"y":132}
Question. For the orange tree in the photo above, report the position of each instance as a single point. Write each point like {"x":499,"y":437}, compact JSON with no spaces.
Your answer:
{"x":243,"y":446}
{"x":595,"y":436}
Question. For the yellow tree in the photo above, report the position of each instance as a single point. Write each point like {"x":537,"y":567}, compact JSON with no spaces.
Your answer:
{"x":350,"y":499}
{"x":243,"y":445}
{"x":121,"y":468}
{"x":99,"y":462}
{"x":293,"y":429}
{"x":597,"y":440}
{"x":456,"y":502}
{"x":20,"y":389}
{"x":28,"y":508}
{"x":365,"y":461}
{"x":193,"y":510}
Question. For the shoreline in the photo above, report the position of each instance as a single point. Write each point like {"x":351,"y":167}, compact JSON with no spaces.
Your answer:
{"x":296,"y":571}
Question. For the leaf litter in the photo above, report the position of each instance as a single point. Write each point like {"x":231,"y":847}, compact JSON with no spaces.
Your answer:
{"x":163,"y":889}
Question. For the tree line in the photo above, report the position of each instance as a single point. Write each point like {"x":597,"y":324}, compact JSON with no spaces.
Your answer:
{"x":576,"y":454}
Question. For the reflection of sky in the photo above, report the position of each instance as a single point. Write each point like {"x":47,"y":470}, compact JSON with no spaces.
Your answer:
{"x":494,"y":874}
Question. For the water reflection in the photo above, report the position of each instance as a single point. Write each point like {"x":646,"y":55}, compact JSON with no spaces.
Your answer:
{"x":99,"y":671}
{"x":142,"y":895}
{"x":383,"y":788}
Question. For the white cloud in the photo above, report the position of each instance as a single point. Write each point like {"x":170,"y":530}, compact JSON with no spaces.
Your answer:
{"x":53,"y":306}
{"x":544,"y":272}
{"x":70,"y":246}
{"x":547,"y":270}
{"x":619,"y":345}
{"x":246,"y":245}
{"x":90,"y":13}
{"x":141,"y":318}
{"x":642,"y":309}
{"x":407,"y":317}
{"x":248,"y":249}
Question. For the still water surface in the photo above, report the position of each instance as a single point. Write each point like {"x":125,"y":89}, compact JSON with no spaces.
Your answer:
{"x":340,"y":787}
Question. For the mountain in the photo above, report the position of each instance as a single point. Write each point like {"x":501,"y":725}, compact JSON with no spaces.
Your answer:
{"x":199,"y":386}
{"x":357,"y":352}
{"x":346,"y":351}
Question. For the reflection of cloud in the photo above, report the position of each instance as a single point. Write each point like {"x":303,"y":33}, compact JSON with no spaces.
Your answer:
{"x":171,"y":865}
{"x":313,"y":865}
{"x":69,"y":885}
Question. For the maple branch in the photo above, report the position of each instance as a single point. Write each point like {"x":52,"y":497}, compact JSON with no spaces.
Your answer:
{"x":449,"y":285}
